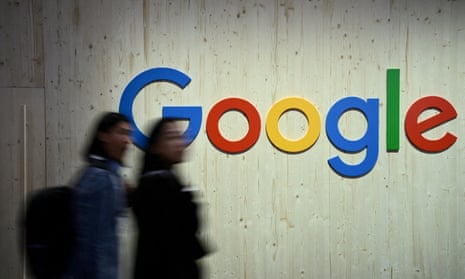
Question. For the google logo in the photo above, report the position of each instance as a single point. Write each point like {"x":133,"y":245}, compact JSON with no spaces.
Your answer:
{"x":369,"y":142}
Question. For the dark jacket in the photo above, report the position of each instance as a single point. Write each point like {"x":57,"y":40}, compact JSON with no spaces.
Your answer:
{"x":167,"y":220}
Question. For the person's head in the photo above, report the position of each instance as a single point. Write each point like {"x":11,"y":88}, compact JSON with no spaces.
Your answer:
{"x":166,"y":141}
{"x":111,"y":137}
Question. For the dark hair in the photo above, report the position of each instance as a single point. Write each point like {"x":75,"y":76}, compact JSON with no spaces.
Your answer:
{"x":107,"y":121}
{"x":154,"y":137}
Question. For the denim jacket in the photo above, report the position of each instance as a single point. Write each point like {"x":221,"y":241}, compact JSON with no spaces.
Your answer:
{"x":97,"y":202}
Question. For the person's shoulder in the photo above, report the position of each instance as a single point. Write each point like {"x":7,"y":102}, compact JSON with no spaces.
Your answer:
{"x":93,"y":178}
{"x":151,"y":186}
{"x":97,"y":172}
{"x":161,"y":181}
{"x":155,"y":176}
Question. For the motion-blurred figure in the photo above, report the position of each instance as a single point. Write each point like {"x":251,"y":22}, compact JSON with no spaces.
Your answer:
{"x":166,"y":214}
{"x":98,"y":199}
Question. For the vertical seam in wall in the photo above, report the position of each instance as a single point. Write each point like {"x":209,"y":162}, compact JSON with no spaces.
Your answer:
{"x":45,"y":139}
{"x":44,"y":95}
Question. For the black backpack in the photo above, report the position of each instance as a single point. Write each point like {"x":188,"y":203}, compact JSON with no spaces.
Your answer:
{"x":49,"y":228}
{"x":49,"y":233}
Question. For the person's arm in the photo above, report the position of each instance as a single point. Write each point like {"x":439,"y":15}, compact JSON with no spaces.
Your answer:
{"x":96,"y":207}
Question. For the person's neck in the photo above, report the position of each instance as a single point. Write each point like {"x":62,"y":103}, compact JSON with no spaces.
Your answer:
{"x":113,"y":165}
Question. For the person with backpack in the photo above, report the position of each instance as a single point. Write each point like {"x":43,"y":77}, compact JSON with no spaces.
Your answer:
{"x":98,"y":199}
{"x":166,"y":214}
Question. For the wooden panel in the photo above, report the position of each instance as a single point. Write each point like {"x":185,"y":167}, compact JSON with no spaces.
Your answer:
{"x":268,"y":213}
{"x":22,"y":150}
{"x":21,"y":50}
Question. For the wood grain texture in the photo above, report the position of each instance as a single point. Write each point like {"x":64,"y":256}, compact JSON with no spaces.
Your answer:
{"x":270,"y":214}
{"x":22,"y":147}
{"x":21,"y":47}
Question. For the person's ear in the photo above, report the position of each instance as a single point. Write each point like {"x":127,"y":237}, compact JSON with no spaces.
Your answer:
{"x":103,"y":137}
{"x":154,"y":148}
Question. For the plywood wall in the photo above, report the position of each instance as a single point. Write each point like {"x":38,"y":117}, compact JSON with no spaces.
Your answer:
{"x":22,"y":147}
{"x":22,"y":102}
{"x":21,"y":50}
{"x":267,"y":213}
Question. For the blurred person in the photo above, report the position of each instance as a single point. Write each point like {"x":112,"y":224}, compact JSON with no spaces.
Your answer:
{"x":98,"y":199}
{"x":166,"y":214}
